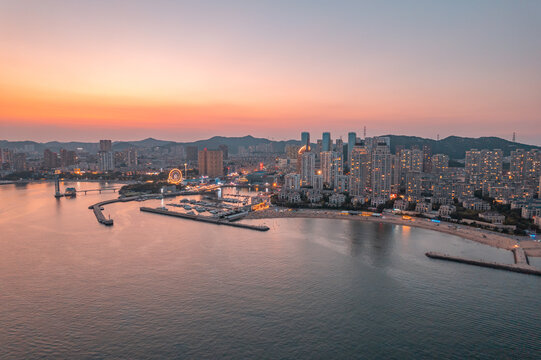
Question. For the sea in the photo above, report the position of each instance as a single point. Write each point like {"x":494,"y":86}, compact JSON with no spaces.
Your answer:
{"x":158,"y":287}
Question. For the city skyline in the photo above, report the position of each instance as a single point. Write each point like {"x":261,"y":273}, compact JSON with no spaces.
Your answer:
{"x":274,"y":179}
{"x":181,"y":71}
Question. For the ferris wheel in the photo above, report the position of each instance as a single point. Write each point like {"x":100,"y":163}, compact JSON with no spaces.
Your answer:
{"x":175,"y":177}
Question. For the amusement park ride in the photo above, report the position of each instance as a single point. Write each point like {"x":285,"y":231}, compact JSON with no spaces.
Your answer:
{"x":175,"y":177}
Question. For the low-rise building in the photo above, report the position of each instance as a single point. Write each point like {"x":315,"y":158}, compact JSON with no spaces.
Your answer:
{"x":476,"y":204}
{"x":423,"y":207}
{"x":446,"y":210}
{"x":537,"y":221}
{"x":294,"y":197}
{"x":337,"y":199}
{"x":492,"y":217}
{"x":401,"y":204}
{"x":531,"y":211}
{"x":314,"y":196}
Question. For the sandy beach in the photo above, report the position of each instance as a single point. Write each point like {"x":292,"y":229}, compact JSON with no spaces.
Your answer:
{"x":502,"y":241}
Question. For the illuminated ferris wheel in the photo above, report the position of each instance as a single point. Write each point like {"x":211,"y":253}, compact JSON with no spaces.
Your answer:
{"x":175,"y":177}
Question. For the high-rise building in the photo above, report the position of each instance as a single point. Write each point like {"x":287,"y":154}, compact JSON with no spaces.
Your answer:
{"x":318,"y":182}
{"x":225,"y":151}
{"x":337,"y":167}
{"x":381,"y":173}
{"x":352,"y":140}
{"x":525,"y":165}
{"x":308,"y":164}
{"x":19,"y":162}
{"x":427,"y":158}
{"x":292,"y":181}
{"x":339,"y":147}
{"x":67,"y":157}
{"x":473,"y":164}
{"x":50,"y":159}
{"x":395,"y":173}
{"x":326,"y":166}
{"x":417,"y":158}
{"x":211,"y":163}
{"x":106,"y":161}
{"x":440,"y":163}
{"x":191,"y":153}
{"x":332,"y":166}
{"x":360,"y":170}
{"x":319,"y":147}
{"x":292,"y":151}
{"x":533,"y":165}
{"x":6,"y":158}
{"x":131,"y":157}
{"x":305,"y":139}
{"x":326,"y":142}
{"x":341,"y":184}
{"x":106,"y":145}
{"x":414,"y":185}
{"x":483,"y":166}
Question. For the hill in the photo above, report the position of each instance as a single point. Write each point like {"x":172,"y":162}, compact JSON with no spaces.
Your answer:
{"x":454,"y":146}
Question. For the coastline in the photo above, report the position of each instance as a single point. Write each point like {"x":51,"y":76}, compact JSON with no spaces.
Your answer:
{"x":500,"y":241}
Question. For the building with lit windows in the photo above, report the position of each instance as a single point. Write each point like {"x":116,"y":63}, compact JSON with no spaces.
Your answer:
{"x":211,"y":163}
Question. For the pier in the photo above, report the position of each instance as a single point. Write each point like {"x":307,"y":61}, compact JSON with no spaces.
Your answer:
{"x":520,"y":256}
{"x":519,"y":267}
{"x":101,"y":218}
{"x":204,"y":219}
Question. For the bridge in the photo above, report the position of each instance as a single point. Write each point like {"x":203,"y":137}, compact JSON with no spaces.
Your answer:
{"x":59,"y":194}
{"x":113,"y":189}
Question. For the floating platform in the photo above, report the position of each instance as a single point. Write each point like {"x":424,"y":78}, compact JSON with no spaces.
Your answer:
{"x":204,"y":219}
{"x":520,"y":268}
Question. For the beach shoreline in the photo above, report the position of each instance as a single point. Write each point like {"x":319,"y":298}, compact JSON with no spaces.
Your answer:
{"x":501,"y":241}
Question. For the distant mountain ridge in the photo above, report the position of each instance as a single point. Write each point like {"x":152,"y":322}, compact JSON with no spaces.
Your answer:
{"x":454,"y":146}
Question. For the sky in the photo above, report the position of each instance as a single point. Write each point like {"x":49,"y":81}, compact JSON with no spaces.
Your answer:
{"x":174,"y":70}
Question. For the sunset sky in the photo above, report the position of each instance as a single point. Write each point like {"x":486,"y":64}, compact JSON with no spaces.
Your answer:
{"x":85,"y":70}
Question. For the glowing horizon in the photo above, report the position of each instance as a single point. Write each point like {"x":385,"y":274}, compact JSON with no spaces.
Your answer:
{"x":182,"y":71}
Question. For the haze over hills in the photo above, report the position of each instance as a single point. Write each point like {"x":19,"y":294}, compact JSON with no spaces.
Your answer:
{"x":454,"y":146}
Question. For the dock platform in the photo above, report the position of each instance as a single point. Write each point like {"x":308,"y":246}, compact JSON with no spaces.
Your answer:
{"x":204,"y":219}
{"x":519,"y":267}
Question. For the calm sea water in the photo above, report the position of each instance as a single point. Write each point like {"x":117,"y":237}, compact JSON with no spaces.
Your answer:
{"x":158,"y":287}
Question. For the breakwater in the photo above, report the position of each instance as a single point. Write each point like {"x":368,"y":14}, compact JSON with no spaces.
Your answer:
{"x":97,"y":208}
{"x":204,"y":219}
{"x":520,"y":268}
